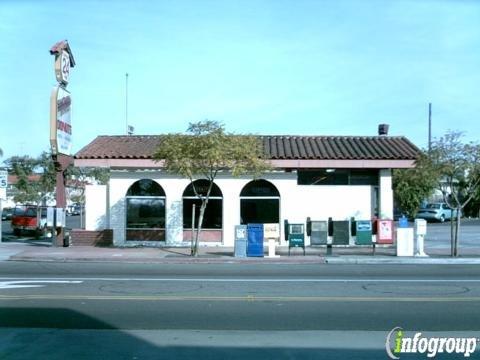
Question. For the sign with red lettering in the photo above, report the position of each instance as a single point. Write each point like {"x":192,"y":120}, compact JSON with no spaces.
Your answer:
{"x":60,"y":121}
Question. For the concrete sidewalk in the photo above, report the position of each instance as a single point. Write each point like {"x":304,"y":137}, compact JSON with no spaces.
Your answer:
{"x":38,"y":251}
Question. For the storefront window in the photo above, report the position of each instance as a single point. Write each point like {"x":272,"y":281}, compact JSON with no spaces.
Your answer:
{"x":259,"y":203}
{"x":213,"y":217}
{"x":337,"y":177}
{"x":145,"y":208}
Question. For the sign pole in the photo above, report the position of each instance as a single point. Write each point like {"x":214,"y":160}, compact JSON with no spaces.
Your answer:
{"x":61,"y":164}
{"x":1,"y":221}
{"x":61,"y":128}
{"x":3,"y":193}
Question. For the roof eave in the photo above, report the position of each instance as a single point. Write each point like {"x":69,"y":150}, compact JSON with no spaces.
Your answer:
{"x":280,"y":164}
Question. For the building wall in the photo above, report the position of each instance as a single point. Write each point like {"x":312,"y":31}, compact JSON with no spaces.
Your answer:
{"x":386,"y":194}
{"x":173,"y":187}
{"x":296,"y":204}
{"x":96,"y":207}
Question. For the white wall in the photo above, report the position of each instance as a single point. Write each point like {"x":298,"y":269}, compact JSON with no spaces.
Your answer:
{"x":386,"y":194}
{"x":95,"y":207}
{"x":297,"y":202}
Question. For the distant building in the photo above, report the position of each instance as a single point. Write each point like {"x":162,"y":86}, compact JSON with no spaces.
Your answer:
{"x":314,"y":176}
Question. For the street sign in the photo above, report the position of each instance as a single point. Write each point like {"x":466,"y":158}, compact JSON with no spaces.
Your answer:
{"x":3,"y":179}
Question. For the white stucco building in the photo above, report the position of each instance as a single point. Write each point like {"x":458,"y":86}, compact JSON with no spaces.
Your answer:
{"x":319,"y":177}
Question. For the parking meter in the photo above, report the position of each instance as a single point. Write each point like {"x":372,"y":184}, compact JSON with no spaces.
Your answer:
{"x":296,"y":236}
{"x":420,"y":228}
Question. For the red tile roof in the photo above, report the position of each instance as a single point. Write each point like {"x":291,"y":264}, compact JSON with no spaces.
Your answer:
{"x":276,"y":147}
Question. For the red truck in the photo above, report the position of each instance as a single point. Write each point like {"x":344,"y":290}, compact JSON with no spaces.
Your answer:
{"x":30,"y":218}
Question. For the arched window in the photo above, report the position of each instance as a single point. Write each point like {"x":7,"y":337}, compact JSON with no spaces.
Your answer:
{"x":213,"y":217}
{"x":259,"y":203}
{"x":145,"y":209}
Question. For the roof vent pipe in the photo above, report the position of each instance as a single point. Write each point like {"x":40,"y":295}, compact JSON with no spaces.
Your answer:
{"x":383,"y":129}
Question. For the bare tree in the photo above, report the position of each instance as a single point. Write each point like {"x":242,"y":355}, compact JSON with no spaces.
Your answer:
{"x":457,"y":165}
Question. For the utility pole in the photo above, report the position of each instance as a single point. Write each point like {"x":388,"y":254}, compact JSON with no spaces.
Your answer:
{"x":429,"y":127}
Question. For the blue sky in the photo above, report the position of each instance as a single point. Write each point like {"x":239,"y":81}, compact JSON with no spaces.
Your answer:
{"x":267,"y":67}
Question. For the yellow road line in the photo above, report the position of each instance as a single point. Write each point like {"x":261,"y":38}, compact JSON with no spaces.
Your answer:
{"x":248,"y":298}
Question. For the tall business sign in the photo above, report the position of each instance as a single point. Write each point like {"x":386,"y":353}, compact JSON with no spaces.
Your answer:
{"x":3,"y":194}
{"x":61,"y":101}
{"x":61,"y":122}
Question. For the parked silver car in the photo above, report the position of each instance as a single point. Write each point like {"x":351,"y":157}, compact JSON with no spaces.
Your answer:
{"x":436,"y":212}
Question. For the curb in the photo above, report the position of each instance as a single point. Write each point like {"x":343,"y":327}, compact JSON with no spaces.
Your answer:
{"x":174,"y":260}
{"x":402,"y":261}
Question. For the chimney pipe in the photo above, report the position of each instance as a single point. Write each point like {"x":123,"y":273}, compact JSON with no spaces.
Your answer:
{"x":383,"y":129}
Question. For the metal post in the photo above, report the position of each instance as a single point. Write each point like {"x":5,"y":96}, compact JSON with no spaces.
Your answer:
{"x":329,"y":249}
{"x":193,"y":229}
{"x":429,"y":126}
{"x":126,"y":103}
{"x":81,"y":216}
{"x":1,"y":212}
{"x":61,"y":164}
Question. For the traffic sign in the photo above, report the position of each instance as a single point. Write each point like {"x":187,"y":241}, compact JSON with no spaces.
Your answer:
{"x":3,"y":179}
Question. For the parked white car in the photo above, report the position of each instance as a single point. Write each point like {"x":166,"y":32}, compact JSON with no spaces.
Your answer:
{"x":436,"y":212}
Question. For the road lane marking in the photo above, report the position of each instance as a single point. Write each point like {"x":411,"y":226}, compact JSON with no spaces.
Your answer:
{"x":253,"y":280}
{"x":18,"y":284}
{"x":246,"y":298}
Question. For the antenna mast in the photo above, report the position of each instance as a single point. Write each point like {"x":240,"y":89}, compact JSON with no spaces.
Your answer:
{"x":126,"y":103}
{"x":429,"y":127}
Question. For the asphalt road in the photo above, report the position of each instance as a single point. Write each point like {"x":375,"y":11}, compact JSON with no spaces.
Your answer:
{"x":228,"y":311}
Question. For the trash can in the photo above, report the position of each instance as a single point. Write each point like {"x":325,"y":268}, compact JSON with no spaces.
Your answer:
{"x":255,"y":240}
{"x":66,"y":238}
{"x":240,"y":241}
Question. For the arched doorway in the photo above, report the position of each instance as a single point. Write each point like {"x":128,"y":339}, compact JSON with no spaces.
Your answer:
{"x":145,"y":211}
{"x":213,"y":218}
{"x":259,"y":203}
